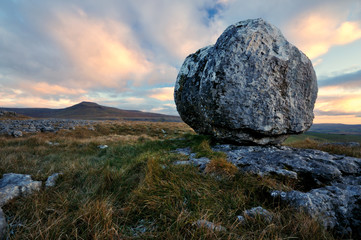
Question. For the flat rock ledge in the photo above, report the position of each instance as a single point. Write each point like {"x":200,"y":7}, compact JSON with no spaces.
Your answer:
{"x":329,"y":186}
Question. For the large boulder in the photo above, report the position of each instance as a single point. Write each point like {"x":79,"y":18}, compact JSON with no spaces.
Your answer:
{"x":252,"y":86}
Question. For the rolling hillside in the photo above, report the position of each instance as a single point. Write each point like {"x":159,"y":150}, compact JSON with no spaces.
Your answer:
{"x":92,"y":111}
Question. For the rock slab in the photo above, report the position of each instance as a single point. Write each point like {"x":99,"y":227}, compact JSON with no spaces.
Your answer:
{"x":252,"y":86}
{"x":329,"y":185}
{"x":13,"y":185}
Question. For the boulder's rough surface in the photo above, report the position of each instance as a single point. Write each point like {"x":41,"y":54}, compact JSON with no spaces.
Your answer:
{"x":13,"y":185}
{"x":252,"y":86}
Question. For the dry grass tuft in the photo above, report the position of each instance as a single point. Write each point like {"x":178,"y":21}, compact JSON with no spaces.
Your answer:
{"x":220,"y":166}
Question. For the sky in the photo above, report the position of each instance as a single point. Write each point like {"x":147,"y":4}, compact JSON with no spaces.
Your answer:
{"x":127,"y":53}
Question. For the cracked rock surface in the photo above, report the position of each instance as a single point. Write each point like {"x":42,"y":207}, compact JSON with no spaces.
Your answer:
{"x":252,"y":86}
{"x":331,"y":184}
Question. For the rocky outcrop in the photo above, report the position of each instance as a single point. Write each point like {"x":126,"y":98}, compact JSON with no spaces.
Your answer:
{"x":328,"y":186}
{"x":16,"y":128}
{"x":252,"y":86}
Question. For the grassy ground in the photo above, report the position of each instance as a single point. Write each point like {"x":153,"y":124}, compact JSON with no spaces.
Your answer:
{"x":131,"y":190}
{"x":315,"y":140}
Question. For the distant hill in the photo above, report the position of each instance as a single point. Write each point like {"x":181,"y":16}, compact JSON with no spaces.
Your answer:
{"x":336,"y":128}
{"x":93,"y":111}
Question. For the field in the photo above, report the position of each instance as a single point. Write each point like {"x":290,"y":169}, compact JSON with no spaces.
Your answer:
{"x":132,"y":189}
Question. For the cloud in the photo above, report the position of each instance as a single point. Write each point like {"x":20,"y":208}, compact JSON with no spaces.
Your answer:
{"x":128,"y":53}
{"x":348,"y":80}
{"x":162,"y":94}
{"x":44,"y":88}
{"x":316,"y":32}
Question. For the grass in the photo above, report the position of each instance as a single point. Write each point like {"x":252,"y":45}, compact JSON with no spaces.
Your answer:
{"x":318,"y":140}
{"x":132,"y":190}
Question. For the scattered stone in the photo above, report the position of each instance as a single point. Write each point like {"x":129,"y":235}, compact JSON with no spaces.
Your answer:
{"x":211,"y":226}
{"x":142,"y":227}
{"x":46,"y":125}
{"x":13,"y":185}
{"x":50,"y":182}
{"x":254,"y":212}
{"x":17,"y":133}
{"x":3,"y":224}
{"x":53,"y":143}
{"x":201,"y":163}
{"x":47,"y":129}
{"x":251,"y":87}
{"x":103,"y":146}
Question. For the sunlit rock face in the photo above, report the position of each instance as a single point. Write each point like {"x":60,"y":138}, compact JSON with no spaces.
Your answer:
{"x":251,"y":87}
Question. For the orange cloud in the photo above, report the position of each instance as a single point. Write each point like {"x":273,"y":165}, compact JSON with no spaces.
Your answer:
{"x":163,"y":94}
{"x":315,"y":33}
{"x":103,"y":51}
{"x":345,"y":119}
{"x":47,"y":89}
{"x":343,"y":101}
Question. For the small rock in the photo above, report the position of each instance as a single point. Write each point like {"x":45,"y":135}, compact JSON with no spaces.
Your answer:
{"x":47,"y":129}
{"x":163,"y":131}
{"x":3,"y":224}
{"x":17,"y":133}
{"x":13,"y":185}
{"x":254,"y":212}
{"x":209,"y":225}
{"x":50,"y":182}
{"x":53,"y":143}
{"x":103,"y":146}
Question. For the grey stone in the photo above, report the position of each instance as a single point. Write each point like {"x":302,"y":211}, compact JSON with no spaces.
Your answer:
{"x":3,"y":224}
{"x":103,"y":146}
{"x":47,"y":129}
{"x":211,"y":226}
{"x":252,"y":86}
{"x":254,"y":212}
{"x":337,"y":207}
{"x":315,"y":167}
{"x":45,"y":125}
{"x":50,"y":182}
{"x":331,"y":183}
{"x":201,"y":163}
{"x":17,"y":133}
{"x":13,"y":185}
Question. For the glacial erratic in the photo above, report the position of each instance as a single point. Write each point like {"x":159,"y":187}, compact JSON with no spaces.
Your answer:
{"x":252,"y":86}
